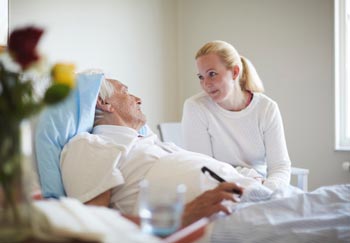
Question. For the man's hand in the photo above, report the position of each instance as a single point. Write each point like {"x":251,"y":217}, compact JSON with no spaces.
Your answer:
{"x":209,"y":203}
{"x":101,"y":200}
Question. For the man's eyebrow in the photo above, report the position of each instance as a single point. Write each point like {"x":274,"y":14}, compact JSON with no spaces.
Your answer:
{"x":124,"y":88}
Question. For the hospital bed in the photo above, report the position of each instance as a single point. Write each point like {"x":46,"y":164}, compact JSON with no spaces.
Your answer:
{"x":171,"y":132}
{"x":324,"y":214}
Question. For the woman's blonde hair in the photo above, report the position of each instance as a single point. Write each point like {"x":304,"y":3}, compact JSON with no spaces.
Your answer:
{"x":248,"y":77}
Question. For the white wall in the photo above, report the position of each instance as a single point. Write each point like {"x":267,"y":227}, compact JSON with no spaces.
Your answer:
{"x":291,"y":45}
{"x":150,"y":45}
{"x":132,"y":40}
{"x":3,"y":22}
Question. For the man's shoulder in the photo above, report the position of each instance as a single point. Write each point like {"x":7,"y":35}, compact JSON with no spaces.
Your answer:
{"x":83,"y":136}
{"x":86,"y":146}
{"x":89,"y":139}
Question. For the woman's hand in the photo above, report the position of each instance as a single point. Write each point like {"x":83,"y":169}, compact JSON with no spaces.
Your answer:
{"x":209,"y":203}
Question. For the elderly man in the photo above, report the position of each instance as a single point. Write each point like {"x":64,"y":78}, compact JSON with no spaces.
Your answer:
{"x":113,"y":160}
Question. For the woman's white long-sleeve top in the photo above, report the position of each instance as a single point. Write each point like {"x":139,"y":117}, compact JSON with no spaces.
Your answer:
{"x":253,"y":137}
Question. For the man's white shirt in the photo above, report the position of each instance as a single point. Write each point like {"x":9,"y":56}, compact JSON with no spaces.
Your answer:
{"x":116,"y":158}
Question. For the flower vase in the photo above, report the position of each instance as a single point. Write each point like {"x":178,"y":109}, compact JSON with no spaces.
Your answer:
{"x":15,"y":156}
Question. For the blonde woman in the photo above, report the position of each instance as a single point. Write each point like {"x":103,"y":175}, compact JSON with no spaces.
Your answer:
{"x":232,"y":120}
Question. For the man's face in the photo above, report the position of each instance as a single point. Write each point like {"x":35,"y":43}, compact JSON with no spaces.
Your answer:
{"x":126,"y":106}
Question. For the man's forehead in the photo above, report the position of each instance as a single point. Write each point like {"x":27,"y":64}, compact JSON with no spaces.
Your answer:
{"x":117,"y":83}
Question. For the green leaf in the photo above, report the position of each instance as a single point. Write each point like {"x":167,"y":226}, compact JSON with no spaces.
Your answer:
{"x":56,"y":93}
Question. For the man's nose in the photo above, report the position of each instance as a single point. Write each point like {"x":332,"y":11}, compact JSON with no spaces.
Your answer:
{"x":138,"y":100}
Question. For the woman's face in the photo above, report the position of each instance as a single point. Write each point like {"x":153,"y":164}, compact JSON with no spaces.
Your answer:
{"x":215,"y":78}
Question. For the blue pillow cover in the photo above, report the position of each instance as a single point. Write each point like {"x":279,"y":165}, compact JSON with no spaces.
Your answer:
{"x":58,"y":124}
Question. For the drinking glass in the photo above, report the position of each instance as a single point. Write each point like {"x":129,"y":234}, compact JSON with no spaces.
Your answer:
{"x":160,"y":208}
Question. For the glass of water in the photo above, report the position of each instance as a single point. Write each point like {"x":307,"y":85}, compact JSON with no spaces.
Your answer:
{"x":160,"y":208}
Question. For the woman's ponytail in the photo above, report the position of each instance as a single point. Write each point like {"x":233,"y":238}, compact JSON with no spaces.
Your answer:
{"x":250,"y":79}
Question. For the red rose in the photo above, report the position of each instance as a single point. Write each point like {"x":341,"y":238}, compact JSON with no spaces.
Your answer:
{"x":22,"y":45}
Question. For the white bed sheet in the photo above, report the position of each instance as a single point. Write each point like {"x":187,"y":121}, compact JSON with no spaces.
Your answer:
{"x":319,"y":216}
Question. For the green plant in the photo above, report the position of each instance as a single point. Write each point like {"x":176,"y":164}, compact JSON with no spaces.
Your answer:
{"x":27,"y":84}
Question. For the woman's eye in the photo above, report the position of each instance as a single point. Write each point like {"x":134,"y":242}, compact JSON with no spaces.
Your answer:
{"x":200,"y":77}
{"x":212,"y":74}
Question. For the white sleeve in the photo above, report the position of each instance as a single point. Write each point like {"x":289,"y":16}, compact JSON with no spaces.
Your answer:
{"x":195,"y":129}
{"x":278,"y":162}
{"x":89,"y":166}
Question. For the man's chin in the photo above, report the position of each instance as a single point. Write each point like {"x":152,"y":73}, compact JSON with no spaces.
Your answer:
{"x":143,"y":120}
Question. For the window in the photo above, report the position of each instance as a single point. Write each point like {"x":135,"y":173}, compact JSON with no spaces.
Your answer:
{"x":3,"y":22}
{"x":342,"y":74}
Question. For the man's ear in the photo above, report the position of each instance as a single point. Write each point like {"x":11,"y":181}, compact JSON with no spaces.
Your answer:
{"x":103,"y":105}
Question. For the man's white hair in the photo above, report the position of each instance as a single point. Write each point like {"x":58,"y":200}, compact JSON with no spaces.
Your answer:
{"x":106,"y":89}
